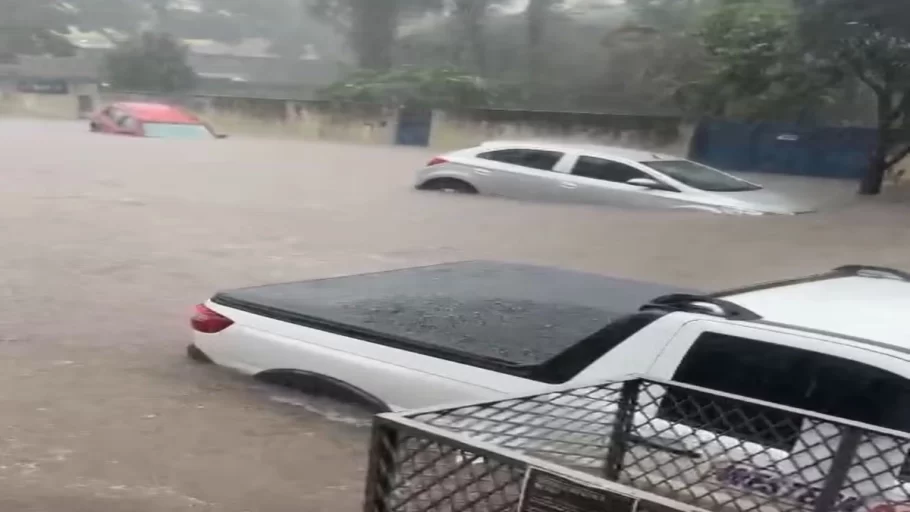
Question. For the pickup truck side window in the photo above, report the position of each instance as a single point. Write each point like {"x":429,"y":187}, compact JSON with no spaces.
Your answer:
{"x":533,"y":158}
{"x":784,"y":375}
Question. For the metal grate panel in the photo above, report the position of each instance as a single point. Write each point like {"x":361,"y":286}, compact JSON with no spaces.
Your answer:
{"x":693,"y":446}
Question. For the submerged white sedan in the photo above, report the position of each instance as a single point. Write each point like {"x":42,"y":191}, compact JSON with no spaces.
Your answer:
{"x":606,"y":175}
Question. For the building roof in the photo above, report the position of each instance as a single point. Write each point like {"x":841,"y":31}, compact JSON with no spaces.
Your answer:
{"x":303,"y":75}
{"x":868,"y":306}
{"x":158,"y":113}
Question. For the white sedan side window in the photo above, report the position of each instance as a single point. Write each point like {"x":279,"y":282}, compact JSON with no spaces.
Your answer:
{"x":607,"y":170}
{"x":533,"y":158}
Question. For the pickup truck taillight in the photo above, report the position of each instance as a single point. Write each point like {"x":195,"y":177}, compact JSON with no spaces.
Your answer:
{"x":209,"y":322}
{"x":436,"y":161}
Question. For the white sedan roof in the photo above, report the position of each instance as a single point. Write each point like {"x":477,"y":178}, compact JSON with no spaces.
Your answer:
{"x":873,"y":308}
{"x":636,"y":155}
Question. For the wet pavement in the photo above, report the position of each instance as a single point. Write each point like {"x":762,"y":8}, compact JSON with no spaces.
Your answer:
{"x":108,"y":242}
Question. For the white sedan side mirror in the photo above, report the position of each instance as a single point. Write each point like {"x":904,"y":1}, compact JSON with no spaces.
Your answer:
{"x":651,"y":184}
{"x":646,"y":183}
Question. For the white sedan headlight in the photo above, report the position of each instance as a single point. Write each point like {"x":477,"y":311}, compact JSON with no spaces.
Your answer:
{"x":737,"y":211}
{"x":723,"y":210}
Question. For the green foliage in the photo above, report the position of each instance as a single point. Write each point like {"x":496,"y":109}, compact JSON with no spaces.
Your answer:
{"x":870,"y":40}
{"x":772,"y":59}
{"x":756,"y":69}
{"x":152,"y":62}
{"x":666,"y":15}
{"x":371,"y":26}
{"x":417,"y":87}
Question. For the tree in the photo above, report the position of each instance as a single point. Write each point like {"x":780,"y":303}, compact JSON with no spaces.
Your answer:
{"x":567,"y":67}
{"x":771,"y":60}
{"x":371,"y":26}
{"x":654,"y":55}
{"x":153,"y":62}
{"x":283,"y":22}
{"x":424,"y":88}
{"x":470,"y":16}
{"x":755,"y":68}
{"x":667,"y":15}
{"x":869,"y":40}
{"x":536,"y":15}
{"x":289,"y":25}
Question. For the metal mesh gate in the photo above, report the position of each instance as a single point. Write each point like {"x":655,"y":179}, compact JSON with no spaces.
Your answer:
{"x":657,"y":439}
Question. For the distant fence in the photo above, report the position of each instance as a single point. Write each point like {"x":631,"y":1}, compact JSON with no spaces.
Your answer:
{"x":833,"y":152}
{"x":686,"y":444}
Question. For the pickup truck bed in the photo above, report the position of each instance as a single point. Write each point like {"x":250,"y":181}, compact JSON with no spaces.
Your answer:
{"x":510,"y":314}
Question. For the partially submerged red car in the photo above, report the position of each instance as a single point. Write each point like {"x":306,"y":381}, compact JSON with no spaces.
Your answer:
{"x":157,"y":120}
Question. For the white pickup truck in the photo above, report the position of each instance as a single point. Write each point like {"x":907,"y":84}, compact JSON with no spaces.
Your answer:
{"x":480,"y":330}
{"x":835,"y":343}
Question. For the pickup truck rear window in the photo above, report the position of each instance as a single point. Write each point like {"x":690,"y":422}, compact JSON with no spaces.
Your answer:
{"x":788,"y":376}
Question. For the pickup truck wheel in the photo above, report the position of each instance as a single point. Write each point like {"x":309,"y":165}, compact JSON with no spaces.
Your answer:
{"x":450,"y":185}
{"x":324,"y":386}
{"x":193,"y":352}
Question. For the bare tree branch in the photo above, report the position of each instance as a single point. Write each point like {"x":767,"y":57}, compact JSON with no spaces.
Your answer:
{"x":903,"y":109}
{"x":864,"y":77}
{"x":904,"y":152}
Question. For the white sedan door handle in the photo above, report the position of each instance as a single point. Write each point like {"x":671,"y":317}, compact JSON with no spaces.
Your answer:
{"x":566,"y":184}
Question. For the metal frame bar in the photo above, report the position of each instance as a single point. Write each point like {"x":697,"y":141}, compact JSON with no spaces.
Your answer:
{"x":405,"y":426}
{"x":462,"y":486}
{"x":561,"y":389}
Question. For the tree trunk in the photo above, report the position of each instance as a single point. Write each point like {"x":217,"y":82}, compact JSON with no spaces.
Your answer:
{"x":871,"y":184}
{"x":470,"y":15}
{"x":374,"y":29}
{"x":536,"y":14}
{"x":162,"y":15}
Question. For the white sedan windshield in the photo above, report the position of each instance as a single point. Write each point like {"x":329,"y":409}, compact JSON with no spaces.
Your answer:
{"x":700,"y":176}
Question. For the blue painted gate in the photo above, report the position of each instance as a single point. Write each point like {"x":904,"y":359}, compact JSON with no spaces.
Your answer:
{"x":414,"y":127}
{"x":783,"y":148}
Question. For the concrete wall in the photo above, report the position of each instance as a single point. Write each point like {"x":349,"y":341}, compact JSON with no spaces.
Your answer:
{"x":48,"y":106}
{"x":378,"y":125}
{"x":465,"y":128}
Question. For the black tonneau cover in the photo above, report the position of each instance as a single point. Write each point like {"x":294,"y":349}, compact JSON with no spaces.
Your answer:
{"x":513,"y":314}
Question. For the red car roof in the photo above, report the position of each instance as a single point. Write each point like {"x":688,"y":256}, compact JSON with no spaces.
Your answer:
{"x":159,"y":113}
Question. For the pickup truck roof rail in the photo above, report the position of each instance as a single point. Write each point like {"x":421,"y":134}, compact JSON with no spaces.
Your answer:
{"x":873,"y":271}
{"x":703,"y":304}
{"x":842,"y":271}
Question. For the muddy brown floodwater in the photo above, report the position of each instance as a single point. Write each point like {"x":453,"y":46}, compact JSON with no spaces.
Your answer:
{"x":108,"y":241}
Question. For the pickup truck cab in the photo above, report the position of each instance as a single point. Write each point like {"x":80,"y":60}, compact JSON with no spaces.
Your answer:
{"x":479,"y":330}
